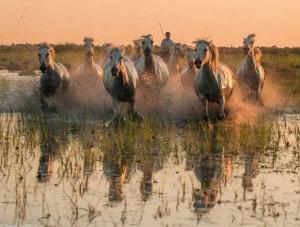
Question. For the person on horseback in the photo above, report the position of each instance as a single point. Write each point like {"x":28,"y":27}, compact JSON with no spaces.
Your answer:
{"x":166,"y":46}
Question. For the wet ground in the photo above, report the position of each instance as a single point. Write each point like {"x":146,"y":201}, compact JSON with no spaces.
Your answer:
{"x":58,"y":170}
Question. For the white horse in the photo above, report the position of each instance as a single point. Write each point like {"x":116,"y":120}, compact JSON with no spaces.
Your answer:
{"x":189,"y":72}
{"x":55,"y":78}
{"x":176,"y":52}
{"x":89,"y":74}
{"x":214,"y":81}
{"x":89,"y":67}
{"x":150,"y":64}
{"x":250,"y":73}
{"x":120,"y":80}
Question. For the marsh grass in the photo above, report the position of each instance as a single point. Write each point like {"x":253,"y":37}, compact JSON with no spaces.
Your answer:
{"x":78,"y":146}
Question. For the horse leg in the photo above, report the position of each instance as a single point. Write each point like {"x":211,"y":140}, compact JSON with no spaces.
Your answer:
{"x":116,"y":107}
{"x":222,"y":107}
{"x":204,"y":108}
{"x":134,"y":114}
{"x":43,"y":102}
{"x":258,"y":97}
{"x":117,"y":118}
{"x":131,"y":105}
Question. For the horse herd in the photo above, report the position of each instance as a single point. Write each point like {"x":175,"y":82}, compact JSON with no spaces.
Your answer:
{"x":212,"y":80}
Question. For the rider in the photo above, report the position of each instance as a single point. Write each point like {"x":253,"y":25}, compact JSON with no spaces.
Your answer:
{"x":166,"y":45}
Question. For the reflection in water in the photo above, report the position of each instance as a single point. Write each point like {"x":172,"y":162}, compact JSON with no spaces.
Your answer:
{"x":150,"y":163}
{"x":53,"y":139}
{"x":80,"y":159}
{"x":118,"y":168}
{"x":251,"y":171}
{"x":208,"y":170}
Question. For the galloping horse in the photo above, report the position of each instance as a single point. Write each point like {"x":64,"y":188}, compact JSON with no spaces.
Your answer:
{"x":120,"y":80}
{"x":55,"y":77}
{"x":214,"y":81}
{"x":189,"y":72}
{"x":250,"y":73}
{"x":151,"y":64}
{"x":89,"y":74}
{"x":89,"y":67}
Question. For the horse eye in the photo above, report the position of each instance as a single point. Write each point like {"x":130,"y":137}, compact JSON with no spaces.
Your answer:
{"x":151,"y":41}
{"x":143,"y":42}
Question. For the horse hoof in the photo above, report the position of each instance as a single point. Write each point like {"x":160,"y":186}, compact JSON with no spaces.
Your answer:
{"x":206,"y":118}
{"x":221,"y":117}
{"x":137,"y":116}
{"x":118,"y":119}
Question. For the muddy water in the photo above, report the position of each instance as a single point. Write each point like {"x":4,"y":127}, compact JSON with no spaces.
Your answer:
{"x":57,"y":170}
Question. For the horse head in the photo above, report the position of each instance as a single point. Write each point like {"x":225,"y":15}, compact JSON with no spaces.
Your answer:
{"x":88,"y":46}
{"x":46,"y":55}
{"x":248,"y":43}
{"x":190,"y":56}
{"x":206,"y":53}
{"x":116,"y":59}
{"x":147,"y":45}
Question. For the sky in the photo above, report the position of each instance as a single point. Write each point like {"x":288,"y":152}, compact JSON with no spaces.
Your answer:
{"x":226,"y":22}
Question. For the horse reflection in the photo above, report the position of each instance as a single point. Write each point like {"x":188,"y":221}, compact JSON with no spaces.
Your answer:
{"x":251,"y":171}
{"x":52,"y":139}
{"x":151,"y":163}
{"x":118,"y":167}
{"x":212,"y":169}
{"x":89,"y":163}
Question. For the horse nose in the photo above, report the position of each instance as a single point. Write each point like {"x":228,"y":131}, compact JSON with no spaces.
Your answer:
{"x":114,"y":70}
{"x":198,"y":61}
{"x":43,"y":67}
{"x":147,"y":50}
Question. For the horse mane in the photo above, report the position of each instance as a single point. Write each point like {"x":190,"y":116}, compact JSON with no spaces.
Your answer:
{"x":257,"y":51}
{"x":113,"y":49}
{"x":123,"y":67}
{"x":149,"y":36}
{"x":257,"y":54}
{"x":49,"y":47}
{"x":213,"y":49}
{"x":88,"y":39}
{"x":252,"y":35}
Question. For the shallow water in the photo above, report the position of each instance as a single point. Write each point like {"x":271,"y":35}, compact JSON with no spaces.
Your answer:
{"x":62,"y":170}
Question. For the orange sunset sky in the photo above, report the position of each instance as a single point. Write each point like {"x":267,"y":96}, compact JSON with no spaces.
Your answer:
{"x":276,"y":22}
